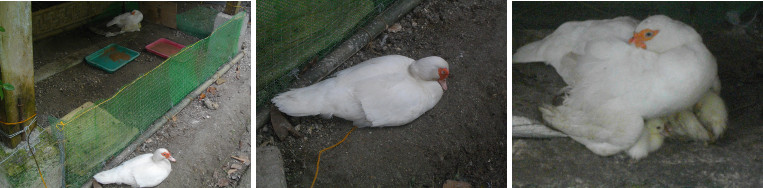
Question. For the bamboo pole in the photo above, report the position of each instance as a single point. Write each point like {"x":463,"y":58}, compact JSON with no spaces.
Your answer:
{"x":232,"y":7}
{"x":16,"y":67}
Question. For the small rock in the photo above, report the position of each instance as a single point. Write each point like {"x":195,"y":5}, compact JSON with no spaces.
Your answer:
{"x":220,"y":81}
{"x":280,"y":125}
{"x":211,"y":105}
{"x":149,"y":140}
{"x":395,"y":28}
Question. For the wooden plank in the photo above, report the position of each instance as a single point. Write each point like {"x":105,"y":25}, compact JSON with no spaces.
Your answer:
{"x":16,"y":66}
{"x":162,"y":12}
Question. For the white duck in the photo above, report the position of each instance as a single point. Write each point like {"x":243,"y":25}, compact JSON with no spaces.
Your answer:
{"x":384,"y":91}
{"x":128,"y":22}
{"x":147,"y":170}
{"x":615,"y":86}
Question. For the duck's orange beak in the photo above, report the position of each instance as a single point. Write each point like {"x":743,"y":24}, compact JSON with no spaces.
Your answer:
{"x":641,"y":37}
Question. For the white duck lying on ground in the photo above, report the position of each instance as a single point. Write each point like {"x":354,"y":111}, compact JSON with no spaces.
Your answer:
{"x":147,"y":170}
{"x":614,"y":86}
{"x":384,"y":91}
{"x":128,"y":22}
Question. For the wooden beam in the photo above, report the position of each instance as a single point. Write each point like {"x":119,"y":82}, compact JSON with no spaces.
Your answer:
{"x":16,"y":67}
{"x":232,"y":7}
{"x":160,"y":12}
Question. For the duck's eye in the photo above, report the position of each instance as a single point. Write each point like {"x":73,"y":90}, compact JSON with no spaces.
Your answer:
{"x":442,"y":72}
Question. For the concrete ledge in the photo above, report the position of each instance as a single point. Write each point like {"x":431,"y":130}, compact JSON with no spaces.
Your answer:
{"x":270,"y":172}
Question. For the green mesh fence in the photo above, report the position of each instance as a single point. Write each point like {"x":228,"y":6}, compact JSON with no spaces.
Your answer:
{"x":292,"y":33}
{"x":100,"y":130}
{"x":198,"y":22}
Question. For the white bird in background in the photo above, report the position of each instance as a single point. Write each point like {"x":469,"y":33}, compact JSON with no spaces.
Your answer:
{"x":614,"y":86}
{"x":384,"y":91}
{"x":129,"y":22}
{"x":147,"y":170}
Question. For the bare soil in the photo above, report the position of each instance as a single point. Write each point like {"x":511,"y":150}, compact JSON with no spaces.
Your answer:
{"x":462,"y":138}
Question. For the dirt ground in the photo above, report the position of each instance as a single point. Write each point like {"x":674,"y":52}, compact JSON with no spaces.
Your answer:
{"x":462,"y":138}
{"x":201,"y":139}
{"x":733,"y":161}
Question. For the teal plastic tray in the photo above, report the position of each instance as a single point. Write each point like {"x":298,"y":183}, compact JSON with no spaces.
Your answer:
{"x":111,"y":57}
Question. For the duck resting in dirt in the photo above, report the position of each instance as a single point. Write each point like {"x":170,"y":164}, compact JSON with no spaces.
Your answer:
{"x":147,"y":170}
{"x":385,"y":91}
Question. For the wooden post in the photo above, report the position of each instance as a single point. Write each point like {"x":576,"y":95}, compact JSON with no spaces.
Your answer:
{"x":16,"y":68}
{"x":232,"y":7}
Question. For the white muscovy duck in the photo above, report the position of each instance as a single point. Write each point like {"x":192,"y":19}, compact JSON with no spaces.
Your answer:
{"x":147,"y":170}
{"x":128,"y":22}
{"x":385,"y":91}
{"x":614,"y":86}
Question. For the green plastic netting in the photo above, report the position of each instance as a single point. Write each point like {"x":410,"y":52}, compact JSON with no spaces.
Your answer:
{"x":197,"y":22}
{"x":292,"y":33}
{"x":100,"y":131}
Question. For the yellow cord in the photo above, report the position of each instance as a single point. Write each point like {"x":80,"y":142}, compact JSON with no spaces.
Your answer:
{"x":38,"y":171}
{"x":20,"y":122}
{"x":318,"y":165}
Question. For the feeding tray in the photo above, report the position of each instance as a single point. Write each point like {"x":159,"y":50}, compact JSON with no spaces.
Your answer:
{"x":164,"y":48}
{"x":111,"y":57}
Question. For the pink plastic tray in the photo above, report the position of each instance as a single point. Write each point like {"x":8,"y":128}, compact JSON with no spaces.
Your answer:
{"x":164,"y":48}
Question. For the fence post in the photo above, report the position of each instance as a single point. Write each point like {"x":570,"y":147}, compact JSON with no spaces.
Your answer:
{"x":16,"y":67}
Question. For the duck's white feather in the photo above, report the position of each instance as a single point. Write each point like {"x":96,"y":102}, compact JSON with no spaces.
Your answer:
{"x":572,"y":36}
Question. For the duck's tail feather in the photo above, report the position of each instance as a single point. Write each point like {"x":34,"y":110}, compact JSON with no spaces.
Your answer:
{"x":528,"y":53}
{"x":305,"y":101}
